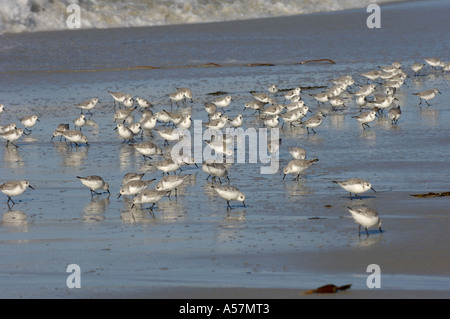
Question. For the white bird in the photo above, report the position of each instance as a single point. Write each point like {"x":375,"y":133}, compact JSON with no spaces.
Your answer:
{"x":366,"y":117}
{"x":94,"y":182}
{"x":29,"y":121}
{"x":229,"y":193}
{"x":12,"y":135}
{"x":355,"y":186}
{"x":148,"y":196}
{"x":14,"y":188}
{"x":88,"y":105}
{"x":314,"y":121}
{"x":427,"y":95}
{"x":171,"y":182}
{"x":366,"y":217}
{"x":134,"y":187}
{"x":297,"y":166}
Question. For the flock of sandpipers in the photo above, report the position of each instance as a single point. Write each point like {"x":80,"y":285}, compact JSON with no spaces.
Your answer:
{"x":372,"y":99}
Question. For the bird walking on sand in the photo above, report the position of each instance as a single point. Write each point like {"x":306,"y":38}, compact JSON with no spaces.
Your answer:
{"x":355,"y":186}
{"x":94,"y":182}
{"x":314,"y":121}
{"x":365,"y":217}
{"x":427,"y":95}
{"x":297,"y":166}
{"x":12,"y":135}
{"x":14,"y":188}
{"x":394,"y":114}
{"x":29,"y":122}
{"x":229,"y":193}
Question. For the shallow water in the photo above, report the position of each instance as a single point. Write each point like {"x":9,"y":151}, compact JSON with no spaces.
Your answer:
{"x":289,"y":232}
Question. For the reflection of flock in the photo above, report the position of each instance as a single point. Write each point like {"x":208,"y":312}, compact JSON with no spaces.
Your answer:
{"x":377,"y":95}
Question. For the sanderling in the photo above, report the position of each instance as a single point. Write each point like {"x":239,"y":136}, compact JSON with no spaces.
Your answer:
{"x":254,"y":105}
{"x":314,"y":121}
{"x":185,"y":122}
{"x":8,"y":127}
{"x":123,"y":114}
{"x":297,"y":166}
{"x":210,"y":108}
{"x":134,"y":187}
{"x":94,"y":182}
{"x":187,"y":93}
{"x":229,"y":193}
{"x":366,"y":117}
{"x":14,"y":188}
{"x":361,"y":100}
{"x":366,"y":217}
{"x":237,"y":121}
{"x":372,"y":75}
{"x":80,"y":121}
{"x":336,"y":102}
{"x":167,"y":165}
{"x":88,"y":105}
{"x":170,"y":134}
{"x":297,"y":152}
{"x":291,"y":93}
{"x":143,"y":103}
{"x":321,"y":97}
{"x":394,"y":114}
{"x":73,"y":136}
{"x":119,"y":97}
{"x":148,"y":196}
{"x":62,"y":128}
{"x":170,"y":182}
{"x":147,"y":149}
{"x":128,"y":102}
{"x":274,"y":109}
{"x":217,"y":124}
{"x":271,"y":121}
{"x":124,"y":132}
{"x":417,"y":67}
{"x":262,"y":97}
{"x":383,"y":102}
{"x":2,"y":108}
{"x":427,"y":95}
{"x":128,"y":177}
{"x":355,"y":186}
{"x":220,"y":147}
{"x":29,"y":121}
{"x":176,"y":97}
{"x":366,"y":90}
{"x":222,"y":102}
{"x":273,"y":145}
{"x":292,"y":116}
{"x":12,"y":135}
{"x":273,"y":88}
{"x":433,"y":62}
{"x":216,"y":170}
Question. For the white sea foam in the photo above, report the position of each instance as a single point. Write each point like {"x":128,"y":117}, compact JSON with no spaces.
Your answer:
{"x":46,"y":15}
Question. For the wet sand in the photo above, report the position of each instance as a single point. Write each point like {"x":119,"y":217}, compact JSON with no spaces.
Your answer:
{"x":291,"y":236}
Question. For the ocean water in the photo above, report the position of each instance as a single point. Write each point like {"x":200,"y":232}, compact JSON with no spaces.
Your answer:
{"x":46,"y":15}
{"x":290,"y":234}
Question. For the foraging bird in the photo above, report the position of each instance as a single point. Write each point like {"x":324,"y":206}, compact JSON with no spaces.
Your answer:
{"x":14,"y":188}
{"x":94,"y":182}
{"x":355,"y":186}
{"x":366,"y":217}
{"x":427,"y":95}
{"x":297,"y":166}
{"x":229,"y":193}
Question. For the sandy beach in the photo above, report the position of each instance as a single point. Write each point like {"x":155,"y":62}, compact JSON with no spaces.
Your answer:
{"x":291,"y":236}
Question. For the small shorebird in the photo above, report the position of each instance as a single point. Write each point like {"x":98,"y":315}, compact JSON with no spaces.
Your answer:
{"x":355,"y":186}
{"x":170,"y":182}
{"x":366,"y":217}
{"x":148,"y":196}
{"x":29,"y":122}
{"x":229,"y":193}
{"x":88,"y":105}
{"x":12,"y":135}
{"x":297,"y":152}
{"x":94,"y":182}
{"x":394,"y":114}
{"x":297,"y":166}
{"x":147,"y":149}
{"x":427,"y":95}
{"x":73,"y":136}
{"x":14,"y":188}
{"x":314,"y":121}
{"x":417,"y":67}
{"x":366,"y":117}
{"x":134,"y":187}
{"x":119,"y":97}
